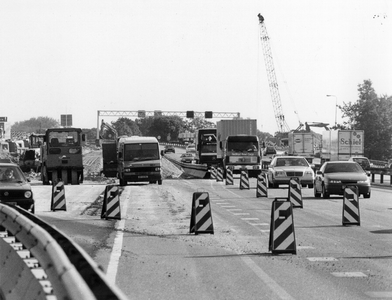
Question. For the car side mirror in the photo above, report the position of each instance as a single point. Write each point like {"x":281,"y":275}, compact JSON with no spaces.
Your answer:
{"x":319,"y":173}
{"x":162,"y":153}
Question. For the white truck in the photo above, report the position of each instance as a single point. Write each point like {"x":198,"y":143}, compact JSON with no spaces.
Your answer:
{"x":342,"y":144}
{"x":238,"y":146}
{"x":306,"y":144}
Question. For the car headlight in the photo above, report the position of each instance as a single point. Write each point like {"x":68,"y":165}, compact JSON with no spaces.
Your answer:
{"x":127,"y":170}
{"x":280,"y":174}
{"x":28,"y":194}
{"x":309,"y":172}
{"x":157,"y":169}
{"x":364,"y":181}
{"x":335,"y":181}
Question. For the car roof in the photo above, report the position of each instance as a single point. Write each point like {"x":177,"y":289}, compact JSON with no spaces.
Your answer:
{"x":289,"y":156}
{"x":8,"y":164}
{"x":340,"y":162}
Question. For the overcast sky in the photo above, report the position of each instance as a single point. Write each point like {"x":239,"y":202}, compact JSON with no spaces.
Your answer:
{"x":78,"y":57}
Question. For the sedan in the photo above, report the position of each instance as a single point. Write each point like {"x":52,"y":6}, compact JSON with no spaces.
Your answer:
{"x":334,"y":176}
{"x":187,"y":158}
{"x":283,"y":168}
{"x":15,"y":188}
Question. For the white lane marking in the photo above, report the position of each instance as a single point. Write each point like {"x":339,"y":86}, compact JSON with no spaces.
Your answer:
{"x":222,"y":203}
{"x":232,"y":209}
{"x":117,"y":248}
{"x":322,"y":259}
{"x":238,"y":196}
{"x":241,"y":214}
{"x":387,"y":294}
{"x":264,"y":230}
{"x":305,"y":247}
{"x":272,"y":284}
{"x":349,"y":274}
{"x":228,"y":206}
{"x":260,"y":224}
{"x":250,"y":219}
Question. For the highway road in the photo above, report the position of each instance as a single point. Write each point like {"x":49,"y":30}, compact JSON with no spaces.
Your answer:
{"x":150,"y":254}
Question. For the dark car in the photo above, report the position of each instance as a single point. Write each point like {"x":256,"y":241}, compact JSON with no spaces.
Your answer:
{"x":187,"y":158}
{"x":15,"y":188}
{"x":168,"y":149}
{"x":334,"y":176}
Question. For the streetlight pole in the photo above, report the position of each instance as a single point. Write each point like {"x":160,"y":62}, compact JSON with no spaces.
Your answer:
{"x":336,"y":106}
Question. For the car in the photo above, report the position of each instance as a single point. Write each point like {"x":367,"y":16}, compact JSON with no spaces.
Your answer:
{"x":362,"y":161}
{"x":334,"y":176}
{"x":15,"y":188}
{"x":283,"y":168}
{"x":190,"y":148}
{"x":187,"y":157}
{"x":169,"y":148}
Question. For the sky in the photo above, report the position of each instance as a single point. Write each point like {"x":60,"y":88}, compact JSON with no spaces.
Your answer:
{"x":79,"y":57}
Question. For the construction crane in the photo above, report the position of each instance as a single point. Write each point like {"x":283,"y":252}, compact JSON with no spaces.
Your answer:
{"x":273,"y":84}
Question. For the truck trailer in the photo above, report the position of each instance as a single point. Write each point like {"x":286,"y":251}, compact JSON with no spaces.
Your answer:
{"x":342,"y":144}
{"x":238,"y":146}
{"x":307,"y":144}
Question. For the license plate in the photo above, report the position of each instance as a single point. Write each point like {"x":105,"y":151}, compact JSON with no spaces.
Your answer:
{"x":143,"y":176}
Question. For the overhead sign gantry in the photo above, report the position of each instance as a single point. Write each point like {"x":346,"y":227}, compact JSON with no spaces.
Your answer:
{"x":184,"y":114}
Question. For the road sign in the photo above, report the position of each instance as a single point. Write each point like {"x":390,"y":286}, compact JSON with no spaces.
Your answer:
{"x":66,"y":120}
{"x":3,"y":119}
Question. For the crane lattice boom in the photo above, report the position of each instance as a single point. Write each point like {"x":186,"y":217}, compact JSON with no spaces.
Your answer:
{"x":273,"y":84}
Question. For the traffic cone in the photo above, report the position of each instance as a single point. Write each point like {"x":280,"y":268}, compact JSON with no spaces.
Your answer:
{"x":282,"y":235}
{"x":111,"y":208}
{"x":351,"y":214}
{"x":229,"y":176}
{"x":219,"y":174}
{"x":261,"y":190}
{"x":244,"y":180}
{"x":58,"y":201}
{"x":295,"y":194}
{"x":201,"y":215}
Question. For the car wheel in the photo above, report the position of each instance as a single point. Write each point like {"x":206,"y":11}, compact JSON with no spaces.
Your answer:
{"x":325,"y":194}
{"x":310,"y":186}
{"x":366,"y":195}
{"x":159,"y":182}
{"x":316,"y":194}
{"x":122,"y":182}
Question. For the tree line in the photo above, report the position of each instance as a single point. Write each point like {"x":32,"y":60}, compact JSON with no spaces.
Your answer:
{"x":371,"y":113}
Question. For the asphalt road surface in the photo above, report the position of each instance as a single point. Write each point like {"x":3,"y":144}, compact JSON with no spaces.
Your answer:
{"x":150,"y":254}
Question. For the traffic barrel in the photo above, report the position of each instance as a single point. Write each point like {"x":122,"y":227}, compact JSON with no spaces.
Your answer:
{"x":282,"y":235}
{"x":351,"y":214}
{"x":229,"y":176}
{"x":111,"y":208}
{"x":58,"y":201}
{"x":201,"y":215}
{"x":244,"y":180}
{"x":261,"y":190}
{"x":295,"y":194}
{"x":213,"y":172}
{"x":219,"y":174}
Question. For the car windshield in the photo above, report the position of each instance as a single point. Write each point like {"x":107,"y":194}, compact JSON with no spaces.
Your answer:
{"x":343,"y":167}
{"x":10,"y":174}
{"x":298,"y":162}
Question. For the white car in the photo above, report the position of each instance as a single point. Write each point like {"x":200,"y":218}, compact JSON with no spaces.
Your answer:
{"x":283,"y":168}
{"x":190,"y":148}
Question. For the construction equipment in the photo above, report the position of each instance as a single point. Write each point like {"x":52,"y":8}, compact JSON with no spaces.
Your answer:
{"x":273,"y":84}
{"x":61,"y":156}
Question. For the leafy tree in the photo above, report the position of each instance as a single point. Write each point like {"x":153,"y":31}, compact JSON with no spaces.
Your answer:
{"x":125,"y":126}
{"x":166,"y":127}
{"x":192,"y":125}
{"x":372,"y":114}
{"x":37,"y":125}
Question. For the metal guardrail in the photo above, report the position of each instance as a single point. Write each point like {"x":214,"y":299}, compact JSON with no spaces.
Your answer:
{"x":37,"y":261}
{"x":382,"y":172}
